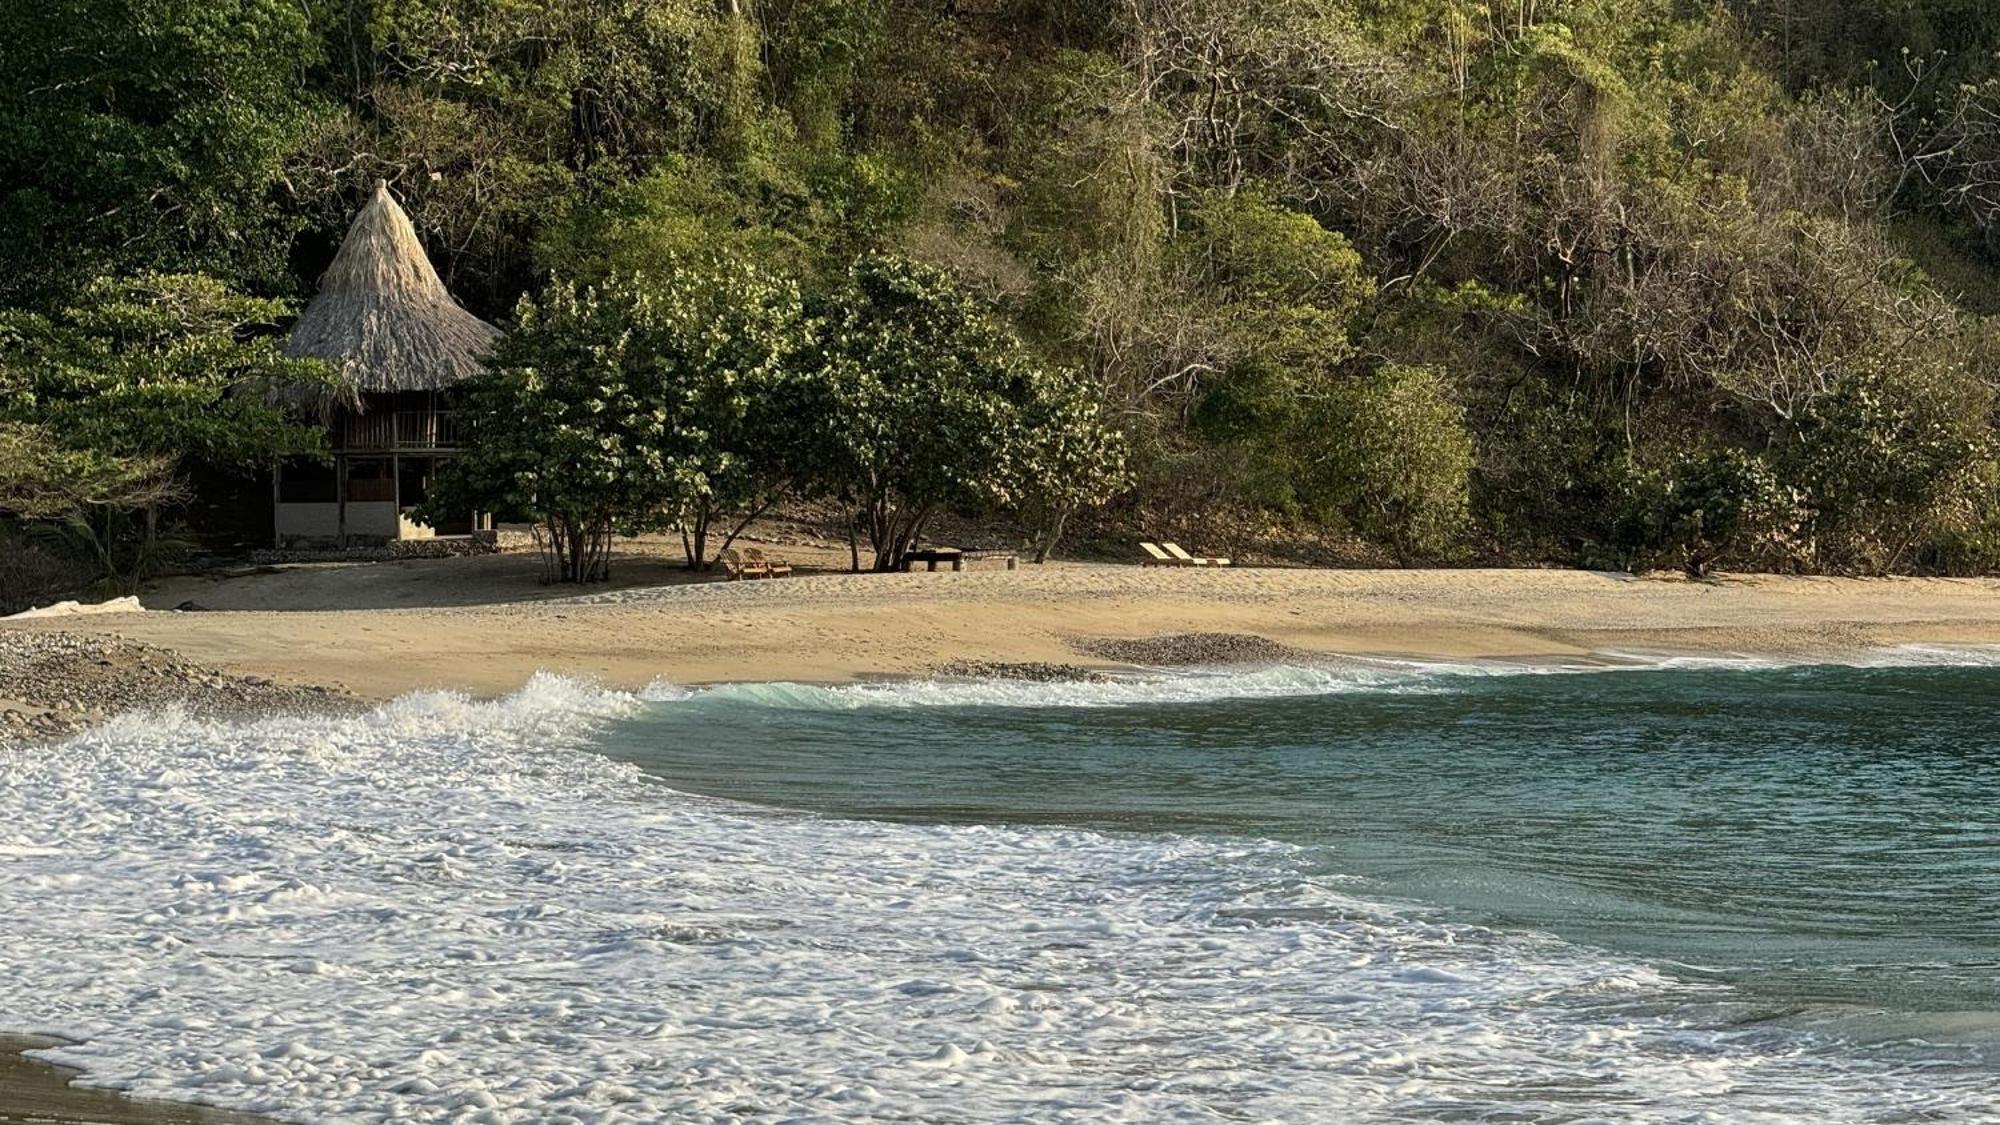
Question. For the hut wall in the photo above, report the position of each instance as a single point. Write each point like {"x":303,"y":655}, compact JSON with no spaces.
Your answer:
{"x":408,"y":528}
{"x":368,"y":521}
{"x":307,"y":523}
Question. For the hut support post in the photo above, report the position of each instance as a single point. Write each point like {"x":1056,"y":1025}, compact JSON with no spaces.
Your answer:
{"x":340,"y":490}
{"x":277,"y":501}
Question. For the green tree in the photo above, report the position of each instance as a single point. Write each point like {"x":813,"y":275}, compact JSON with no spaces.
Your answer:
{"x":684,"y":209}
{"x":92,"y":497}
{"x":1893,"y":458}
{"x":146,"y":135}
{"x":640,"y":404}
{"x":924,"y":402}
{"x":1075,"y":458}
{"x":139,"y":381}
{"x":1392,"y":459}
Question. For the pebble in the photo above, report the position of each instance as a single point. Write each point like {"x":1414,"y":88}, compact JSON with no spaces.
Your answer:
{"x":71,"y":681}
{"x":1033,"y":672}
{"x":1190,"y":650}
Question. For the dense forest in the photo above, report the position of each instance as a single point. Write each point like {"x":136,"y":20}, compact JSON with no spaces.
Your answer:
{"x":1620,"y":283}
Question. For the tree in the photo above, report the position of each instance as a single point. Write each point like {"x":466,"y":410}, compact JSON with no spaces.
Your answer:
{"x":924,"y":403}
{"x":641,"y":404}
{"x":682,"y":210}
{"x":137,"y":382}
{"x":146,"y":136}
{"x":1073,"y":458}
{"x":734,"y":345}
{"x":92,"y":496}
{"x":1894,"y":457}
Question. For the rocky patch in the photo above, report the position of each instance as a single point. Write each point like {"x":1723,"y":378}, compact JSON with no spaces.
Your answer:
{"x":1189,"y":650}
{"x":1031,"y":672}
{"x":54,"y":684}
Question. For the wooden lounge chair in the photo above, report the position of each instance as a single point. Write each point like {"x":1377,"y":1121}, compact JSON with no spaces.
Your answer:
{"x":1157,"y":557}
{"x":1191,"y":560}
{"x":740,"y":567}
{"x":773,"y":568}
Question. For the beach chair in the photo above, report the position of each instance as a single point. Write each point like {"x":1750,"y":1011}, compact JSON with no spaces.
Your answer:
{"x":773,"y":568}
{"x":740,"y":567}
{"x":1191,"y":560}
{"x":1157,"y":557}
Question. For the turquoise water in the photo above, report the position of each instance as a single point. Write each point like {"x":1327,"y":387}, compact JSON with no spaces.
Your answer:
{"x":1823,"y":840}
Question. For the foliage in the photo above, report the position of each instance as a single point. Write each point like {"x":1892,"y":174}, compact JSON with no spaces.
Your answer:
{"x":146,"y":135}
{"x":110,"y":401}
{"x":1700,"y":284}
{"x":1392,"y":458}
{"x":94,"y":498}
{"x":171,"y":366}
{"x":1706,"y":510}
{"x":1892,"y":460}
{"x":639,"y":404}
{"x":924,"y":403}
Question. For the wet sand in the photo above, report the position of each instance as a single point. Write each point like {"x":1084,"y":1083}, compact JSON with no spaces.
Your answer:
{"x":36,"y":1092}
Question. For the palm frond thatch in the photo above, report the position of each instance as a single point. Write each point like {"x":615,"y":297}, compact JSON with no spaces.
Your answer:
{"x":382,"y":317}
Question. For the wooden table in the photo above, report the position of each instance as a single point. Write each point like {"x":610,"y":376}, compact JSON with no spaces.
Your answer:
{"x":932,"y":556}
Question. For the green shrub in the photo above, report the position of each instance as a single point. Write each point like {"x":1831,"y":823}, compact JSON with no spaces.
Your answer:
{"x":1389,"y":455}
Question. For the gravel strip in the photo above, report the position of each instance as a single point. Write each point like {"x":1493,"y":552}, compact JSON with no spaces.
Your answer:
{"x":1189,"y":650}
{"x":1035,"y":672}
{"x":54,"y":684}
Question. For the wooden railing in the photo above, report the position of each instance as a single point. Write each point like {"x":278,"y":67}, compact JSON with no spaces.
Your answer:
{"x":400,"y":431}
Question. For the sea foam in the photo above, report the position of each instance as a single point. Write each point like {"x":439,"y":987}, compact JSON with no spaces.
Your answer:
{"x":450,"y":910}
{"x":1332,"y":676}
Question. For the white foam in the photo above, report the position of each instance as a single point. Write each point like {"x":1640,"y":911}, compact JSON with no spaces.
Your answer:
{"x":1189,"y":686}
{"x":1332,"y":677}
{"x":451,"y":910}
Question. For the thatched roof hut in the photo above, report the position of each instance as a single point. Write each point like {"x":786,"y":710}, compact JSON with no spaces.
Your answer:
{"x":382,"y":317}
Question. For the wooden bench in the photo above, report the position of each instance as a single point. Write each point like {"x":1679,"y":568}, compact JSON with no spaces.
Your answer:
{"x":932,"y":556}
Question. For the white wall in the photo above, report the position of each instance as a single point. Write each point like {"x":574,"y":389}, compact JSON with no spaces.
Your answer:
{"x":375,"y":519}
{"x":369,"y":519}
{"x":308,"y":521}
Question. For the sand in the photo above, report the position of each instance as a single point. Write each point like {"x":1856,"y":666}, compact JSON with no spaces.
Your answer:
{"x":36,"y":1092}
{"x":484,"y":625}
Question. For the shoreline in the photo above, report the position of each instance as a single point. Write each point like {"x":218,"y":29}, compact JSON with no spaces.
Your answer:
{"x":35,"y":1091}
{"x":840,"y":628}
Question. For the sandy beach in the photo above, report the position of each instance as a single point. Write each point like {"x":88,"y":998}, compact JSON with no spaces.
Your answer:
{"x":484,"y":625}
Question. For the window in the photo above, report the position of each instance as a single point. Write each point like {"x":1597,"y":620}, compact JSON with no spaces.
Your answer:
{"x":302,"y":480}
{"x":370,"y":479}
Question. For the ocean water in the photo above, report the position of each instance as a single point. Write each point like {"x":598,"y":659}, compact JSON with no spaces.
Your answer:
{"x":1723,"y":891}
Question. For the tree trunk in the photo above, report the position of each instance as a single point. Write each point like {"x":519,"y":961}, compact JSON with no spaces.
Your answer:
{"x":1049,"y":533}
{"x":577,"y":549}
{"x":745,"y":522}
{"x":893,"y":532}
{"x":694,"y":536}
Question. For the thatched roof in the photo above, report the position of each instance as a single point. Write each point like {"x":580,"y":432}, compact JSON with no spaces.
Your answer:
{"x":382,"y":316}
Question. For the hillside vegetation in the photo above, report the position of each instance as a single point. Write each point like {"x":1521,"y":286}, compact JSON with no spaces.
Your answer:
{"x":1617,"y":283}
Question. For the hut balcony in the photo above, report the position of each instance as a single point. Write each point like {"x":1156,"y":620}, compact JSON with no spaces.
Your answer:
{"x":398,"y":431}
